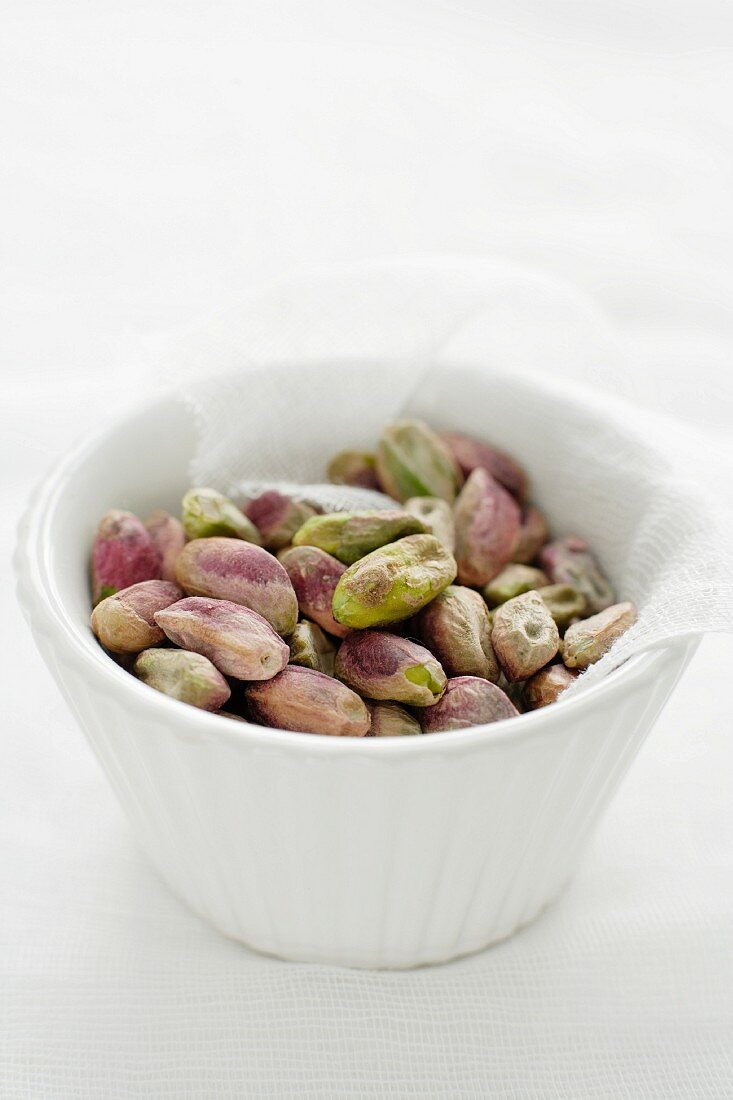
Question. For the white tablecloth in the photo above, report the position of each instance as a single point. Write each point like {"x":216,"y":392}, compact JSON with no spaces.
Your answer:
{"x":153,"y":157}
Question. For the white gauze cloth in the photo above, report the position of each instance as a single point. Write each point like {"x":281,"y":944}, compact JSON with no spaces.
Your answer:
{"x":483,"y":347}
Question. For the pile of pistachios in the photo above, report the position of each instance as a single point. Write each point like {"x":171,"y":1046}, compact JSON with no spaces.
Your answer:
{"x":452,"y":609}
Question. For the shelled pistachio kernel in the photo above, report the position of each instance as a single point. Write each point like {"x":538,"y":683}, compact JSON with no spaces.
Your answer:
{"x":356,"y":468}
{"x":277,"y":517}
{"x":314,"y":575}
{"x":412,"y":461}
{"x":487,"y":521}
{"x":312,"y":648}
{"x":456,"y":627}
{"x":123,"y":554}
{"x":169,"y":538}
{"x":525,"y":636}
{"x":393,"y":583}
{"x":472,"y":454}
{"x":588,"y":640}
{"x":391,"y":720}
{"x":547,"y":685}
{"x":569,"y":561}
{"x":350,"y":536}
{"x":306,"y":701}
{"x":436,"y":516}
{"x":564,"y":603}
{"x":380,"y":665}
{"x":468,"y":701}
{"x":188,"y":677}
{"x":125,"y":623}
{"x":511,"y":581}
{"x":206,"y":513}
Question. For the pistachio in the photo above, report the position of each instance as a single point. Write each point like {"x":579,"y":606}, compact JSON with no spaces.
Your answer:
{"x":125,"y":623}
{"x":436,"y":516}
{"x":238,"y":641}
{"x":189,"y":677}
{"x":314,"y":575}
{"x":513,"y":580}
{"x":380,"y":665}
{"x":206,"y":513}
{"x":169,"y":537}
{"x":349,"y":536}
{"x":532,"y":536}
{"x":231,"y":714}
{"x":568,"y":561}
{"x":355,"y":468}
{"x":487,"y":522}
{"x":546,"y":686}
{"x":310,"y":647}
{"x":277,"y":517}
{"x":468,"y":701}
{"x":412,"y":461}
{"x":456,"y":627}
{"x":525,"y":636}
{"x":123,"y":554}
{"x":587,"y":641}
{"x":563,"y":602}
{"x":391,"y":720}
{"x":306,"y":701}
{"x":231,"y":569}
{"x":472,"y":454}
{"x":393,"y":583}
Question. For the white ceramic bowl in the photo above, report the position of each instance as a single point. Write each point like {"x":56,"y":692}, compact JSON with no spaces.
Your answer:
{"x":375,"y":853}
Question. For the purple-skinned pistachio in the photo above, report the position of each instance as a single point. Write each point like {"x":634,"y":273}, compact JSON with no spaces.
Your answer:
{"x":472,"y":454}
{"x":487,"y":522}
{"x":169,"y":537}
{"x":532,"y":536}
{"x":547,"y":685}
{"x":468,"y":701}
{"x":125,"y":622}
{"x":237,"y":641}
{"x":391,"y":720}
{"x":350,"y":536}
{"x":456,"y":627}
{"x":355,"y":468}
{"x":122,"y":555}
{"x":379,"y":665}
{"x":277,"y":517}
{"x":587,"y":641}
{"x":569,"y":561}
{"x":314,"y":575}
{"x":412,"y":461}
{"x":436,"y":516}
{"x":393,"y":582}
{"x":188,"y":677}
{"x":207,"y":513}
{"x":306,"y":701}
{"x":311,"y":647}
{"x":513,"y":580}
{"x":524,"y":636}
{"x":232,"y":569}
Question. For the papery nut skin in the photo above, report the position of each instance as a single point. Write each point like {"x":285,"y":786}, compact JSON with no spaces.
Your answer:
{"x":312,"y":648}
{"x":169,"y":538}
{"x":487,"y":521}
{"x":568,"y":561}
{"x":436,"y":516}
{"x":532,"y":535}
{"x":472,"y":454}
{"x":547,"y":685}
{"x":232,"y":569}
{"x":207,"y":512}
{"x":564,"y":603}
{"x":355,"y":468}
{"x":350,"y":536}
{"x":238,"y":641}
{"x":587,"y":641}
{"x":306,"y":701}
{"x":393,"y":583}
{"x":125,"y":623}
{"x":456,"y":627}
{"x":277,"y":517}
{"x":468,"y":701}
{"x":123,"y":554}
{"x":413,"y":461}
{"x":188,"y":677}
{"x":379,"y":665}
{"x":524,"y":636}
{"x":391,"y":720}
{"x":511,"y":581}
{"x":314,"y":575}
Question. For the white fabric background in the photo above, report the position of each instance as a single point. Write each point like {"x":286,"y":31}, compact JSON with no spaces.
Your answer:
{"x":155,"y":156}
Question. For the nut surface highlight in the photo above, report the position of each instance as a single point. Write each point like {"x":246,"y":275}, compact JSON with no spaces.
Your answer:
{"x":306,"y":701}
{"x":188,"y":677}
{"x":384,"y":666}
{"x":468,"y":701}
{"x":393,"y":583}
{"x":456,"y":627}
{"x":525,"y":636}
{"x":487,"y":522}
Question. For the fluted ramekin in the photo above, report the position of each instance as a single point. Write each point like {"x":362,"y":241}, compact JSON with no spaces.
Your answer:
{"x":385,"y":852}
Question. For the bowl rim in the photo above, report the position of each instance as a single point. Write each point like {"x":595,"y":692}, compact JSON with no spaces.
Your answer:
{"x":38,"y":593}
